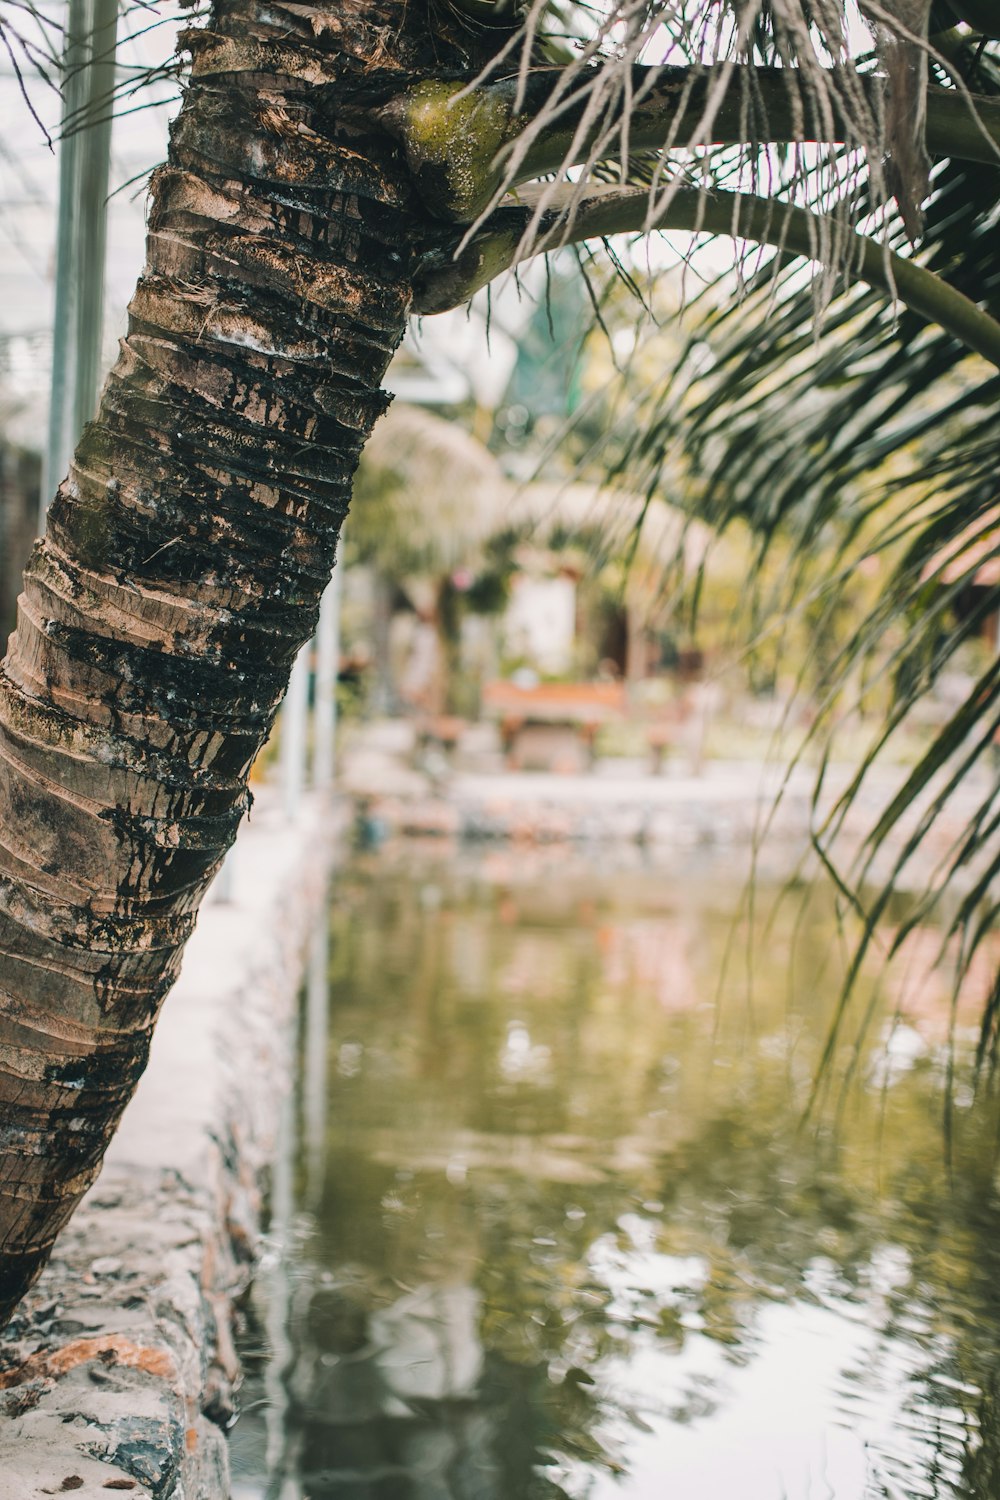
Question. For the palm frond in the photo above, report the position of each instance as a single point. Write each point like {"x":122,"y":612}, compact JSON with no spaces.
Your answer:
{"x":601,"y":110}
{"x":866,"y":446}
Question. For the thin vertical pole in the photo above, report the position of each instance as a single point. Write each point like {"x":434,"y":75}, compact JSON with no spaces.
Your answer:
{"x":327,"y":664}
{"x":81,"y":243}
{"x":224,"y":884}
{"x":95,"y":160}
{"x":315,"y":1065}
{"x":294,"y":724}
{"x":278,"y":1284}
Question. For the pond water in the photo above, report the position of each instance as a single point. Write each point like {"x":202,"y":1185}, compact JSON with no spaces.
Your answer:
{"x":554,"y":1219}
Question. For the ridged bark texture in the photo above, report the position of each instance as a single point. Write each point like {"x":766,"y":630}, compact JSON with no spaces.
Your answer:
{"x":185,"y":557}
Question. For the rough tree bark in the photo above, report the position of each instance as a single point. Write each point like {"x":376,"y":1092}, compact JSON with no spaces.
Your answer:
{"x":185,"y":557}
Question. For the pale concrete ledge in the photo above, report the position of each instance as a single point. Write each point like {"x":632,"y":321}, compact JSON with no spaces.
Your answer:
{"x":117,"y":1374}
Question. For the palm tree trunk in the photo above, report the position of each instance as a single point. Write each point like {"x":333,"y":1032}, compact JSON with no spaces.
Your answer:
{"x":185,"y":559}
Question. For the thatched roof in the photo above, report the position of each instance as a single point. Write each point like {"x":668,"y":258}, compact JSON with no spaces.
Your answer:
{"x":670,"y":547}
{"x":428,"y":494}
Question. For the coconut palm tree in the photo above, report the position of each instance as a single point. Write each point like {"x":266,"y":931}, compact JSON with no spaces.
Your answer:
{"x":334,"y":167}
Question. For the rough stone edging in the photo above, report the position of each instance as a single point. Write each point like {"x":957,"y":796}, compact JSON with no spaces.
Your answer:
{"x":117,"y":1374}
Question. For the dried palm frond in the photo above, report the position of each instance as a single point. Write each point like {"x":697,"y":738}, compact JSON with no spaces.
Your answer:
{"x":818,"y":84}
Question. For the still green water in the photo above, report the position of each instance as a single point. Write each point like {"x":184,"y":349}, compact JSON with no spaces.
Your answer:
{"x":558,"y":1225}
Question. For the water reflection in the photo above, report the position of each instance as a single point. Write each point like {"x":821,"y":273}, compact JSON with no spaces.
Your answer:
{"x":560,"y":1231}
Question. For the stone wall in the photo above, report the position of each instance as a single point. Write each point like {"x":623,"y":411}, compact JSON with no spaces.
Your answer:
{"x":118,"y":1372}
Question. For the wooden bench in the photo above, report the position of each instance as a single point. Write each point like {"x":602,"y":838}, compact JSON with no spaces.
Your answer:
{"x":552,"y":721}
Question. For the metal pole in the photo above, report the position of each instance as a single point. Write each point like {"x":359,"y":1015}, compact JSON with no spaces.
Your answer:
{"x":278,"y":1286}
{"x":224,"y":883}
{"x":95,"y":161}
{"x":294,"y":723}
{"x":81,"y":243}
{"x":325,"y":709}
{"x":315,"y":1066}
